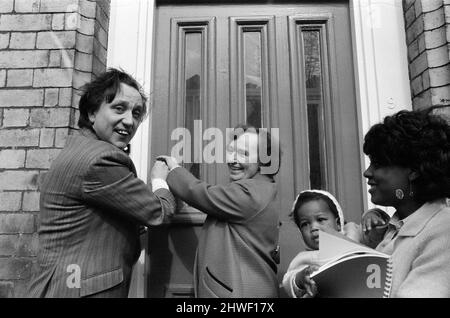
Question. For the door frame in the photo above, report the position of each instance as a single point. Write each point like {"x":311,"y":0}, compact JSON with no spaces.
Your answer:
{"x":379,"y":58}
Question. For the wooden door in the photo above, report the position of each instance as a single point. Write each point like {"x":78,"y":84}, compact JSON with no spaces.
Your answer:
{"x":280,"y":65}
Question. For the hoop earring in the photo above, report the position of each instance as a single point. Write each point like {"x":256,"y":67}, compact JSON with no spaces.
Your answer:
{"x":399,"y":194}
{"x":411,"y":192}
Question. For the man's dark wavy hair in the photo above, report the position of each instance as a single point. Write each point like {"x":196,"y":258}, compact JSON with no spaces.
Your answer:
{"x":104,"y":89}
{"x":417,"y":140}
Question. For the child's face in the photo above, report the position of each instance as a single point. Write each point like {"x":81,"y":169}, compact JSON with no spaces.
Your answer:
{"x":312,"y":216}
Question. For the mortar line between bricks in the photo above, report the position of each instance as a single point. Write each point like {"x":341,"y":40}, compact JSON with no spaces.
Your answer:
{"x":36,"y":13}
{"x":47,"y":13}
{"x":100,"y":25}
{"x":407,"y":8}
{"x":434,"y":67}
{"x":437,"y":47}
{"x":438,"y":27}
{"x":442,"y":6}
{"x":445,"y":85}
{"x":429,"y":68}
{"x":48,"y":68}
{"x":50,"y":30}
{"x":43,"y":68}
{"x":412,"y":22}
{"x":78,"y":31}
{"x":427,"y":30}
{"x":50,"y":49}
{"x":431,"y":87}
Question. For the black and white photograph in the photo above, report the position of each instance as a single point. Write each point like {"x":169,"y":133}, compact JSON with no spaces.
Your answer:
{"x":251,"y":152}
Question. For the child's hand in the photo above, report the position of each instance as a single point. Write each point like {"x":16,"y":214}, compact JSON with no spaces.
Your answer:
{"x":304,"y":281}
{"x":374,"y":219}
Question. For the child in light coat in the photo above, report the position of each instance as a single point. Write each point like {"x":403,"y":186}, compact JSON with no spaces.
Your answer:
{"x":317,"y":209}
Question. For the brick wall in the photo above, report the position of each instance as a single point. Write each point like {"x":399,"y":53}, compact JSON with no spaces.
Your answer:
{"x":48,"y":49}
{"x":427,"y":25}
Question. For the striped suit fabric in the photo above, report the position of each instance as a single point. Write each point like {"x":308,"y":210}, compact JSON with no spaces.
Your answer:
{"x":92,"y":206}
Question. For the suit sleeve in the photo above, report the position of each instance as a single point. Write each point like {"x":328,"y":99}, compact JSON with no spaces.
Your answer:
{"x":430,"y":271}
{"x":111,"y":184}
{"x":235,"y":202}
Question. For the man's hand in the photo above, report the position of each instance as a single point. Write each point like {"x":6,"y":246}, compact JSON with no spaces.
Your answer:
{"x":160,"y":170}
{"x":304,"y":281}
{"x":171,"y":162}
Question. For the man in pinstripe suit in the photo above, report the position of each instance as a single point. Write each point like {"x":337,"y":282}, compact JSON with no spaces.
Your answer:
{"x":92,"y":203}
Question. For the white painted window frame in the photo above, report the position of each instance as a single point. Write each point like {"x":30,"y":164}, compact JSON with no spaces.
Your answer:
{"x":381,"y":65}
{"x":130,"y":40}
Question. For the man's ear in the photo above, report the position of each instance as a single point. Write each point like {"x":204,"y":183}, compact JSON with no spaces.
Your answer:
{"x":92,"y":116}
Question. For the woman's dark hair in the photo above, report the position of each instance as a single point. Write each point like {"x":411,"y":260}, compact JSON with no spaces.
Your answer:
{"x":104,"y":89}
{"x":306,"y":197}
{"x":265,"y":140}
{"x":417,"y":140}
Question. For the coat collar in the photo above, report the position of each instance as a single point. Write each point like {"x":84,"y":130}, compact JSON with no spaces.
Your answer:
{"x":88,"y":133}
{"x":263,"y":177}
{"x":415,"y":223}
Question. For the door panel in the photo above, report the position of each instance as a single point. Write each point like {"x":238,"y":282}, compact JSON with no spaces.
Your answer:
{"x":275,"y":66}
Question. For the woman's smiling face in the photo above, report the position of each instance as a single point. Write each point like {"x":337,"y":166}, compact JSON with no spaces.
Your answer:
{"x":242,"y":157}
{"x":384,"y":181}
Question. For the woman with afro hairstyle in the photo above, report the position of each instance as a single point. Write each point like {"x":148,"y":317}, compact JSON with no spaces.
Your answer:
{"x":409,"y":170}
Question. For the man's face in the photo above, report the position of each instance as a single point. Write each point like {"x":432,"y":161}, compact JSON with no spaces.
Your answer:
{"x":242,"y":157}
{"x":117,"y":122}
